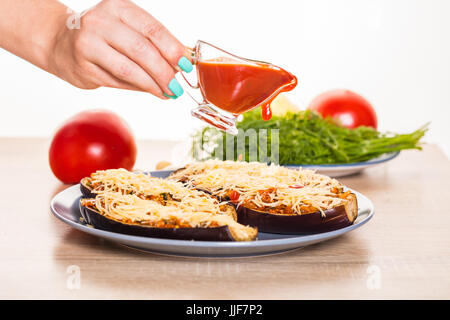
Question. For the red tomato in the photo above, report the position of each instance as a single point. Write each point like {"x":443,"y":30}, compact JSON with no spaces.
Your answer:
{"x":91,"y":141}
{"x":234,"y":196}
{"x":349,"y":108}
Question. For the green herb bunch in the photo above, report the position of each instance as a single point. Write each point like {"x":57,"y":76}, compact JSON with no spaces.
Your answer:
{"x":305,"y":138}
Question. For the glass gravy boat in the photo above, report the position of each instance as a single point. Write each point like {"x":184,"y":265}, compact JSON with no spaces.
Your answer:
{"x":231,"y":85}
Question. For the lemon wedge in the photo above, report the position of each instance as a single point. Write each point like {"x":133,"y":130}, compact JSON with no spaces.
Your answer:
{"x":281,"y":105}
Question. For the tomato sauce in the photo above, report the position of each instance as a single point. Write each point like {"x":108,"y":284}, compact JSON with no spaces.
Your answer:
{"x":238,"y":87}
{"x":234,"y":196}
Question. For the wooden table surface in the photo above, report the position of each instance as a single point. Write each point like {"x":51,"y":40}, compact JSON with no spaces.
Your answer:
{"x":403,"y":252}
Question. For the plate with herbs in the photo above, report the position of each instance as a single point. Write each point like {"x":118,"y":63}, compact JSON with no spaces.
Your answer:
{"x":305,"y":139}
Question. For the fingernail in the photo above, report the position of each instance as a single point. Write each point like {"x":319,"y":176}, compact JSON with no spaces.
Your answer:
{"x":168,"y":96}
{"x":185,"y":64}
{"x":175,"y":87}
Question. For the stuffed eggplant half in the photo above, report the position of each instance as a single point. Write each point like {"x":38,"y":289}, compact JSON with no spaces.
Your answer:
{"x":138,"y":204}
{"x":272,"y":198}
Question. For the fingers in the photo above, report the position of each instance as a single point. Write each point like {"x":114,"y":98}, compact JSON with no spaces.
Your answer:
{"x":123,"y":46}
{"x":140,"y":50}
{"x":101,"y":77}
{"x":123,"y":68}
{"x":169,"y":46}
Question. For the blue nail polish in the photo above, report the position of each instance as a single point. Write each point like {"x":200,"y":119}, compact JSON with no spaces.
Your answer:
{"x":167,"y":96}
{"x":185,"y":64}
{"x":175,"y":87}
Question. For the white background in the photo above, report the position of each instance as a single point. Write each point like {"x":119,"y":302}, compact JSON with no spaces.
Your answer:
{"x":396,"y":53}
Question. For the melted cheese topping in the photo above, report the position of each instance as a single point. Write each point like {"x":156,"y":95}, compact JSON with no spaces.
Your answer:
{"x":292,"y":188}
{"x":141,"y":184}
{"x":122,"y":195}
{"x":130,"y":208}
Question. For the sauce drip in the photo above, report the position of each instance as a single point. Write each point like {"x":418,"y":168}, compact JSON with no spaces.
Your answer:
{"x":237,"y":87}
{"x":266,"y":112}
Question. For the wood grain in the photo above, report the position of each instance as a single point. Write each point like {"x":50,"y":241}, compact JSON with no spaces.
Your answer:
{"x":404,"y":252}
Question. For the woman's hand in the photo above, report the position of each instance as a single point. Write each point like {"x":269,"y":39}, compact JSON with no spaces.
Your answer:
{"x":119,"y":45}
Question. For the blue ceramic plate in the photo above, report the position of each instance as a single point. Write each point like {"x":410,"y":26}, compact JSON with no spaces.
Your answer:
{"x":341,"y":170}
{"x":65,"y":206}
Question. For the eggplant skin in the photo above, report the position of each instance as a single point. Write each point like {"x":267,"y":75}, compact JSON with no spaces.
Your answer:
{"x":335,"y":218}
{"x":99,"y":221}
{"x":86,"y":191}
